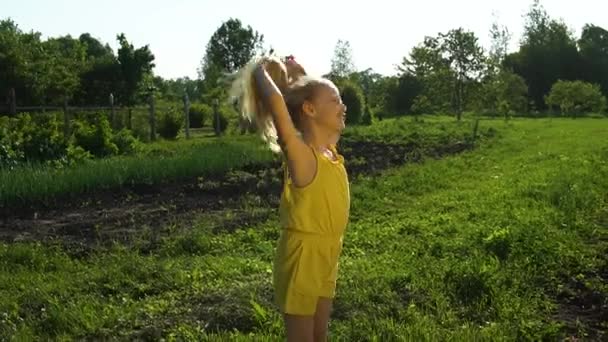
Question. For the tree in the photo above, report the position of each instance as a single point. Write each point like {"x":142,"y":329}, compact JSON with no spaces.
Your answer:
{"x":18,"y":68}
{"x":230,"y":47}
{"x":547,"y":53}
{"x":499,"y":46}
{"x":102,"y":74}
{"x":366,"y":79}
{"x":401,"y":94}
{"x":342,"y":62}
{"x":64,"y":61}
{"x":504,"y":93}
{"x":465,"y":58}
{"x":134,"y":65}
{"x":576,"y":97}
{"x":429,"y":66}
{"x":593,"y":46}
{"x":352,"y":97}
{"x":94,"y":48}
{"x":446,"y":65}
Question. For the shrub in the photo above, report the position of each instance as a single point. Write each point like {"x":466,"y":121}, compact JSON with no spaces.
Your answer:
{"x":170,"y":124}
{"x":576,"y":97}
{"x":95,"y":138}
{"x":353,"y":99}
{"x":199,"y":114}
{"x":126,"y":142}
{"x":223,"y":122}
{"x":367,"y":116}
{"x":34,"y":138}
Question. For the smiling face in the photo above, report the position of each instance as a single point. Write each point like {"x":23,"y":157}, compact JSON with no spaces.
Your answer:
{"x":326,"y":109}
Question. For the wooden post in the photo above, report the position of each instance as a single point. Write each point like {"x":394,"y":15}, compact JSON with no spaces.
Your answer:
{"x":112,"y":110}
{"x":66,"y":120}
{"x":152,"y":118}
{"x":12,"y":102}
{"x":187,"y":115}
{"x":216,"y":113}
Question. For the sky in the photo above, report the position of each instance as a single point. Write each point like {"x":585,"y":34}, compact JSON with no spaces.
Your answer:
{"x":380,"y":32}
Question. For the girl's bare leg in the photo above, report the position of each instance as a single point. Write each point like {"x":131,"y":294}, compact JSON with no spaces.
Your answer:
{"x":321,"y":319}
{"x":299,"y":328}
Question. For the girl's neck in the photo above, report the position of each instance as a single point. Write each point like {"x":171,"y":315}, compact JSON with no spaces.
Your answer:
{"x":318,"y":140}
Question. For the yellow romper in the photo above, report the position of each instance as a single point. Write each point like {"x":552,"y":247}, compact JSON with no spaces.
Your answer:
{"x":313,"y":219}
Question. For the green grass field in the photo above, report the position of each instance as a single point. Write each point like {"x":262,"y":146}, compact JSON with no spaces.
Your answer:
{"x":494,"y":244}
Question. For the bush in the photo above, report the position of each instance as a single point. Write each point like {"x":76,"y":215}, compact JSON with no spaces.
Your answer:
{"x":30,"y":138}
{"x":126,"y":142}
{"x":95,"y":138}
{"x":353,"y":99}
{"x":199,"y":114}
{"x":223,"y":122}
{"x":170,"y":124}
{"x":367,"y":116}
{"x":576,"y":97}
{"x":77,"y":155}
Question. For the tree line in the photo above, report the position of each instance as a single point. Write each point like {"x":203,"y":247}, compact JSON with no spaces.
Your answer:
{"x":552,"y":70}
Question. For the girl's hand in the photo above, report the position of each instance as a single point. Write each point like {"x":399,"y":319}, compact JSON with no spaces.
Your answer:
{"x":294,"y":70}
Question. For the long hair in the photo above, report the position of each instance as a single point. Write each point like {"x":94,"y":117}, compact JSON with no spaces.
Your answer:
{"x":296,"y":89}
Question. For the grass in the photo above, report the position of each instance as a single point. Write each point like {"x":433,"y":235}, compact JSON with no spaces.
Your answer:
{"x":164,"y":161}
{"x":158,"y":163}
{"x":473,"y":247}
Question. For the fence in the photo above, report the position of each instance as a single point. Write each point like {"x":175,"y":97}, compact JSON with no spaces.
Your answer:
{"x":115,"y":120}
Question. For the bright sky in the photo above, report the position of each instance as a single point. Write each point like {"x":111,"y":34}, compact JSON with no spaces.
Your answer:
{"x":381,"y":32}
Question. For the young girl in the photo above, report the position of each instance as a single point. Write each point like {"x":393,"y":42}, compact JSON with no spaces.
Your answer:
{"x":302,"y":117}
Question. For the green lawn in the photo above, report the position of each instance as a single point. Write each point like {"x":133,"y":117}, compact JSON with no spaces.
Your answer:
{"x":472,"y":247}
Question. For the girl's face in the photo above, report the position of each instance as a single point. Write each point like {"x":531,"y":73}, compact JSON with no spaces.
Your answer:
{"x":329,"y":110}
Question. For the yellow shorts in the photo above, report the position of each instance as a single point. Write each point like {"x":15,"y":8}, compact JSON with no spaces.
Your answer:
{"x":305,"y":268}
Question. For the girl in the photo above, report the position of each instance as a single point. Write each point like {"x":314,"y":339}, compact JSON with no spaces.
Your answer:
{"x":302,"y":117}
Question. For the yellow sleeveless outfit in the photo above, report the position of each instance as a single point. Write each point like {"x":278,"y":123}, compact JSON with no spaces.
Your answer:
{"x":313,"y":219}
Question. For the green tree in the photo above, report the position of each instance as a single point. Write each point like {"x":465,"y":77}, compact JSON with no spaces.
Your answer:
{"x":102,"y":74}
{"x":466,"y":60}
{"x":19,"y":70}
{"x":352,"y":96}
{"x":135,"y":64}
{"x":342,"y":61}
{"x":427,"y":63}
{"x":547,"y":52}
{"x":576,"y":97}
{"x":230,"y":47}
{"x":593,"y":46}
{"x":64,"y":61}
{"x":504,"y":93}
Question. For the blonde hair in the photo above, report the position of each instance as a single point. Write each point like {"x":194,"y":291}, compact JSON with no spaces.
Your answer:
{"x":296,"y":90}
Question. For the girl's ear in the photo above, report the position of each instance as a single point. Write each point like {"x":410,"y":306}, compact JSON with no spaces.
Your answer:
{"x":308,"y":109}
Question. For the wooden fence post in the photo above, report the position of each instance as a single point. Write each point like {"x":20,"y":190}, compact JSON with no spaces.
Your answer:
{"x":187,"y":115}
{"x":112,"y":111}
{"x":217,"y":117}
{"x":66,"y":120}
{"x":12,"y":102}
{"x":152,"y":117}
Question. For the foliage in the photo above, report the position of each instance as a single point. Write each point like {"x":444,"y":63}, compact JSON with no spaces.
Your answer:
{"x":220,"y":122}
{"x":547,"y":53}
{"x":135,"y":64}
{"x":576,"y":97}
{"x":230,"y":47}
{"x":126,"y":142}
{"x":94,"y":135}
{"x":352,"y":97}
{"x":199,"y":114}
{"x":504,"y":93}
{"x":593,"y":46}
{"x":342,"y":65}
{"x":170,"y":123}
